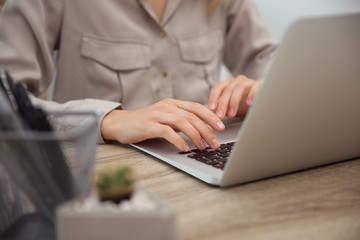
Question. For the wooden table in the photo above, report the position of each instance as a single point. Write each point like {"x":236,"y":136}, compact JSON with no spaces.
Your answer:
{"x":320,"y":203}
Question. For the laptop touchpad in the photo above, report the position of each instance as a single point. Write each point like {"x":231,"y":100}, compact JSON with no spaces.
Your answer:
{"x":231,"y":131}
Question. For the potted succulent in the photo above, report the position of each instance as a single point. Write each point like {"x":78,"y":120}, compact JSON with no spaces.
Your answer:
{"x":117,"y":207}
{"x":114,"y":183}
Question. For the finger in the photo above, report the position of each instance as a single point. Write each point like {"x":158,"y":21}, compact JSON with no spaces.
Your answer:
{"x":224,"y":102}
{"x":214,"y":96}
{"x":178,"y":121}
{"x":193,"y":127}
{"x":235,"y":100}
{"x":240,"y":92}
{"x":203,"y":113}
{"x":170,"y":135}
{"x":252,"y":93}
{"x":204,"y":130}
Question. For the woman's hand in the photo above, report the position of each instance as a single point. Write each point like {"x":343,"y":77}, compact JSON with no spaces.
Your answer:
{"x":164,"y":119}
{"x":233,"y":96}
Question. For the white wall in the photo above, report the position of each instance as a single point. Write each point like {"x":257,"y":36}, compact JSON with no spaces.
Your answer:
{"x":278,"y":14}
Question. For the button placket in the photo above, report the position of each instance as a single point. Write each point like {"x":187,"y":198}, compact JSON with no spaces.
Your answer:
{"x":165,"y":74}
{"x":162,"y":34}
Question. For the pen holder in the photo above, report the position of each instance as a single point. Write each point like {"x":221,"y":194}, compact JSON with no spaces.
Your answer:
{"x":41,"y":170}
{"x":143,"y":216}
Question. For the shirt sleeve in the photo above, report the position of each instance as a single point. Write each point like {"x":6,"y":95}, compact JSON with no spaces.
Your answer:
{"x":248,"y":44}
{"x":79,"y":105}
{"x":29,"y":33}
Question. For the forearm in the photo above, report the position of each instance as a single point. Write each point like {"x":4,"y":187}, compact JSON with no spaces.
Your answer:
{"x":104,"y":107}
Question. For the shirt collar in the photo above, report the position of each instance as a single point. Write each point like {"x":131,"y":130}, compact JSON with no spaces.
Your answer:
{"x":169,"y":10}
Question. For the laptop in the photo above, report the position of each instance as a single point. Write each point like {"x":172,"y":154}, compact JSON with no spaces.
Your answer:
{"x":306,"y":113}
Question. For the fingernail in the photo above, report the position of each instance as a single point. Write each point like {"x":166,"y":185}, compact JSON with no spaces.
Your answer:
{"x":202,"y":144}
{"x":220,"y":125}
{"x":186,"y":148}
{"x":212,"y":106}
{"x":231,"y":112}
{"x":215,"y":143}
{"x":249,"y":101}
{"x":220,"y":113}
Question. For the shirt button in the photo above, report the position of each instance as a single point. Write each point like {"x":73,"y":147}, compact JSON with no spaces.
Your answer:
{"x":165,"y":74}
{"x":162,"y":34}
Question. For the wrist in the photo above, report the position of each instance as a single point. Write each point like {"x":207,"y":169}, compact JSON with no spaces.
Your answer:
{"x":108,"y":124}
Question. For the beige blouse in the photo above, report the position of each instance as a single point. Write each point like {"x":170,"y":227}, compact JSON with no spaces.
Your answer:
{"x":117,"y":52}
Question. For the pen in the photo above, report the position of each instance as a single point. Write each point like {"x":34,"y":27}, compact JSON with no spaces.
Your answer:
{"x":35,"y":119}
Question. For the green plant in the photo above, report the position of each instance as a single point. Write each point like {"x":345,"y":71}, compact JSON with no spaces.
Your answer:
{"x":114,"y":183}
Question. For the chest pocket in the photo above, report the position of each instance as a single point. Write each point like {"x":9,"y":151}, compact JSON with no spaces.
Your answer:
{"x":117,"y":55}
{"x":204,"y":53}
{"x":201,"y":48}
{"x":117,"y":70}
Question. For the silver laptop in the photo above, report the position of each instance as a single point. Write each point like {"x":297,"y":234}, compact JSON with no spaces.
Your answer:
{"x":306,"y":114}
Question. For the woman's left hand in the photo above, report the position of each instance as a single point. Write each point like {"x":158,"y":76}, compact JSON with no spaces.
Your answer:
{"x":233,"y":96}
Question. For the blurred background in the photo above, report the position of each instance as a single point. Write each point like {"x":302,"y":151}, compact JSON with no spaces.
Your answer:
{"x":1,"y":3}
{"x":278,"y":14}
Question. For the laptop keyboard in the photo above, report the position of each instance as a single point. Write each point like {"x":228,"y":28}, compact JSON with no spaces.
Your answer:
{"x":216,"y":158}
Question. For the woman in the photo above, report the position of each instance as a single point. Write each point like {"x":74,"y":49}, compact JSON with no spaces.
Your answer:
{"x":148,"y":64}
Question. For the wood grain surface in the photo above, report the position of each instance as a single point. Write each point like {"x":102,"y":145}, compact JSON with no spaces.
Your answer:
{"x":320,"y":203}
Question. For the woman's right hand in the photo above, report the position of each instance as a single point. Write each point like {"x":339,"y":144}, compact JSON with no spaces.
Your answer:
{"x":164,"y":119}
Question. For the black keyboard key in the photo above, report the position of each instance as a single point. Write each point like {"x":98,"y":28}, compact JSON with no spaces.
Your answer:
{"x":222,"y":150}
{"x":213,"y":157}
{"x":197,"y":150}
{"x":221,"y":159}
{"x":216,"y":158}
{"x":224,"y":145}
{"x":220,"y":165}
{"x":224,"y":155}
{"x":203,"y":160}
{"x":184,"y":152}
{"x":204,"y":154}
{"x":212,"y":163}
